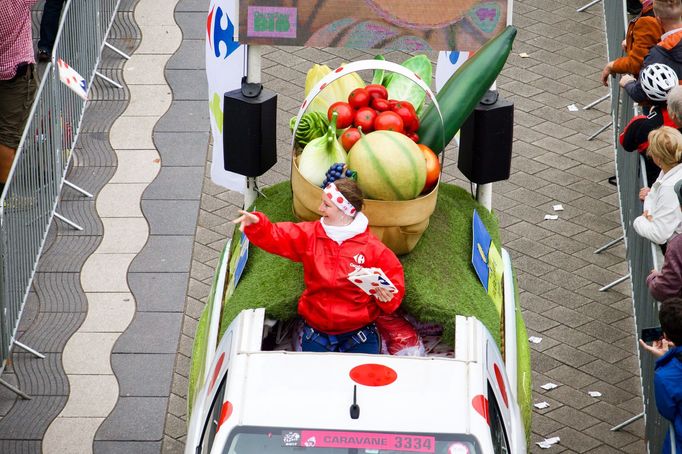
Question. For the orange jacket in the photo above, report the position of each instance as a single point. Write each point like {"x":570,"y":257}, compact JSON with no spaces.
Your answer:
{"x":642,"y":34}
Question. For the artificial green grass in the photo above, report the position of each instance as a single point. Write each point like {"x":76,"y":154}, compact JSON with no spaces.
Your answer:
{"x":439,"y":278}
{"x":524,"y":390}
{"x":198,"y":365}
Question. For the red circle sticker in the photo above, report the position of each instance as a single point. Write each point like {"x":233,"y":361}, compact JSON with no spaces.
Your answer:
{"x":373,"y":375}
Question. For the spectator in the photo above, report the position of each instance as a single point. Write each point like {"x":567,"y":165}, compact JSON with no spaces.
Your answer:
{"x":49,"y":24}
{"x":643,"y":32}
{"x":668,"y":369}
{"x":667,"y":283}
{"x":17,"y":78}
{"x":668,"y":51}
{"x":635,"y":136}
{"x":662,"y":218}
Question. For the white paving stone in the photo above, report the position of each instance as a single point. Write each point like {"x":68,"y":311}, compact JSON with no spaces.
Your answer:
{"x":123,"y":235}
{"x":159,"y":39}
{"x":120,"y":200}
{"x":145,"y":69}
{"x":70,"y":435}
{"x":108,"y":312}
{"x":89,"y":353}
{"x":106,"y":273}
{"x":136,"y":166}
{"x":91,"y":396}
{"x":133,"y":133}
{"x":148,"y":100}
{"x":155,"y":12}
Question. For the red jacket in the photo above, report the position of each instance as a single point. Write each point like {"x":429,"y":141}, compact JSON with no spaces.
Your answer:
{"x":331,"y":303}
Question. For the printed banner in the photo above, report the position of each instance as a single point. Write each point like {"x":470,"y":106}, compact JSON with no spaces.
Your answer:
{"x":72,"y":79}
{"x":408,"y":25}
{"x":225,"y":66}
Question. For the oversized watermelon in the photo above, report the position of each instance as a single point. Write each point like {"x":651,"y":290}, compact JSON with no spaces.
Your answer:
{"x":390,"y":166}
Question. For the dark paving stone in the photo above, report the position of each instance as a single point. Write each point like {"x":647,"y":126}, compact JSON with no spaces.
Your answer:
{"x":134,"y":419}
{"x":40,"y":377}
{"x":143,"y":375}
{"x":176,"y":183}
{"x":81,"y":212}
{"x":171,"y":217}
{"x":185,"y":116}
{"x":188,"y":85}
{"x":91,"y":179}
{"x":29,"y":419}
{"x":51,"y":330}
{"x":192,"y":5}
{"x":59,"y":292}
{"x":178,"y":149}
{"x":192,"y":24}
{"x":7,"y":397}
{"x":159,"y":292}
{"x":126,"y":447}
{"x":151,"y":332}
{"x":21,"y":446}
{"x":68,"y":253}
{"x":165,"y":254}
{"x":190,"y":55}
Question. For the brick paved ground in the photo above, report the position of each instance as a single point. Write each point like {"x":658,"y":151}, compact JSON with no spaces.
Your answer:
{"x":588,"y":337}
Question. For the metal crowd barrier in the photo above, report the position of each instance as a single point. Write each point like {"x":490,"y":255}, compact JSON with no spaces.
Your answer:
{"x":31,"y":195}
{"x":642,"y":255}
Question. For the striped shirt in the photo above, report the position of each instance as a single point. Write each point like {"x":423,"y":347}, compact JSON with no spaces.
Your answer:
{"x":16,"y":40}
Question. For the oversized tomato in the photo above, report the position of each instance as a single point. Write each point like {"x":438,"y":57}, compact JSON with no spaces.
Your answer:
{"x":377,"y":91}
{"x":364,"y":118}
{"x":358,"y":98}
{"x":380,"y":105}
{"x":389,"y":121}
{"x":432,"y":168}
{"x":345,"y":114}
{"x":408,"y":114}
{"x":349,"y":137}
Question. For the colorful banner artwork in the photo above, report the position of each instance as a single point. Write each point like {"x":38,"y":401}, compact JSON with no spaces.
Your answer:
{"x":377,"y":24}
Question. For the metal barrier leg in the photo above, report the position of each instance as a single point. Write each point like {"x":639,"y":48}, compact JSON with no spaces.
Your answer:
{"x":628,"y":422}
{"x":15,"y":390}
{"x":614,"y":283}
{"x":583,"y":8}
{"x":602,"y":129}
{"x":79,"y":189}
{"x":594,"y":103}
{"x":118,"y":51}
{"x":25,"y":347}
{"x":609,"y":244}
{"x":63,"y":219}
{"x":112,"y":82}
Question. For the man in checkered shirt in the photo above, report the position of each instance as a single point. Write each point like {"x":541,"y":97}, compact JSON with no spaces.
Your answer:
{"x":17,"y":77}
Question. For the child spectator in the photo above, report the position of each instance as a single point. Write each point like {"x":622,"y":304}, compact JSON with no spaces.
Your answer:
{"x":667,"y":283}
{"x":662,"y":218}
{"x":643,"y":32}
{"x":668,"y":369}
{"x":668,"y":51}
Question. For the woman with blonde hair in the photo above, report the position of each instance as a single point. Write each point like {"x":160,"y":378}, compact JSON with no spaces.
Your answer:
{"x":662,"y":218}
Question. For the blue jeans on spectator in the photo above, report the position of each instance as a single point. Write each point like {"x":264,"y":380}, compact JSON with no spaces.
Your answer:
{"x":364,"y":340}
{"x":49,"y":24}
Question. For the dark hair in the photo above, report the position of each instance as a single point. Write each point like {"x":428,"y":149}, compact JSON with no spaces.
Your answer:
{"x":351,"y":192}
{"x":670,"y":316}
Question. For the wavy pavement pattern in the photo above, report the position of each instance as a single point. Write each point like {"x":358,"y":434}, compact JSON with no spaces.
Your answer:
{"x":111,"y":305}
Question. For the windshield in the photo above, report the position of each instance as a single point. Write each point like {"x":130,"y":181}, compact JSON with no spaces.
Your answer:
{"x":257,"y":440}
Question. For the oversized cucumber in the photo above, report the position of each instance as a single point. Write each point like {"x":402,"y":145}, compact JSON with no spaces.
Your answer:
{"x":462,"y":92}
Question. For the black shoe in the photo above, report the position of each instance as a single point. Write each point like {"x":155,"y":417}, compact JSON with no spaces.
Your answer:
{"x":44,"y":56}
{"x":612,"y":180}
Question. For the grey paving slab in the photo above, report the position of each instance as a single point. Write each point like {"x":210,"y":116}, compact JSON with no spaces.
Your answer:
{"x":68,"y":254}
{"x":171,"y":217}
{"x":185,"y":116}
{"x":143,"y":375}
{"x":151,"y":332}
{"x":59,"y":292}
{"x":51,"y":330}
{"x":134,"y":419}
{"x":126,"y":447}
{"x":188,"y":84}
{"x":176,"y":183}
{"x":164,"y":253}
{"x":41,"y":377}
{"x":29,"y":419}
{"x":179,"y":149}
{"x":20,"y":446}
{"x":192,"y":24}
{"x":192,"y":5}
{"x":159,"y":292}
{"x":190,"y":55}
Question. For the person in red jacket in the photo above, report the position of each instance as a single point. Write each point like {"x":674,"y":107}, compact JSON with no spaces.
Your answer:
{"x":338,"y":315}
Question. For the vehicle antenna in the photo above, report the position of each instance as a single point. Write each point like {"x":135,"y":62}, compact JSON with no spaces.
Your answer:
{"x":355,"y":408}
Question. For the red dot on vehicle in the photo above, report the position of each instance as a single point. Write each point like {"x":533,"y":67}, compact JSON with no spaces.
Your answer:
{"x":225,"y":413}
{"x":500,"y":384}
{"x":480,"y":404}
{"x":373,"y":375}
{"x":216,"y":371}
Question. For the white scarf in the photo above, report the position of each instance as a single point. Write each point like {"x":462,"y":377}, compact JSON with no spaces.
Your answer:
{"x":344,"y":232}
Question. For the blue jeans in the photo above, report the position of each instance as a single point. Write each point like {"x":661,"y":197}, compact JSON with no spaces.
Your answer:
{"x":364,"y":340}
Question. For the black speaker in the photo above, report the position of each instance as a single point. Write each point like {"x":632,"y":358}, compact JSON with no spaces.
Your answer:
{"x":485,"y":141}
{"x":249,"y":132}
